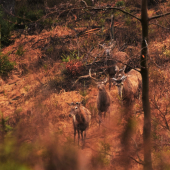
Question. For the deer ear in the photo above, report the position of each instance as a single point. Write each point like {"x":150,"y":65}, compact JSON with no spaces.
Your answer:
{"x":112,"y":44}
{"x":114,"y":79}
{"x":116,"y":68}
{"x":124,"y":67}
{"x":105,"y":81}
{"x":123,"y":78}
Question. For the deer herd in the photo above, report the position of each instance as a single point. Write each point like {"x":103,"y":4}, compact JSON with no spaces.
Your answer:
{"x":128,"y":89}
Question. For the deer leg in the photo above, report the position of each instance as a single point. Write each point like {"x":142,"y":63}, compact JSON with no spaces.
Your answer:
{"x":74,"y":134}
{"x":82,"y":138}
{"x":104,"y":115}
{"x":82,"y":135}
{"x":100,"y":117}
{"x":109,"y":112}
{"x":78,"y":136}
{"x":109,"y":83}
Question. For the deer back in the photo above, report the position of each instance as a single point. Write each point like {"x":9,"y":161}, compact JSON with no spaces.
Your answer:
{"x":121,"y":58}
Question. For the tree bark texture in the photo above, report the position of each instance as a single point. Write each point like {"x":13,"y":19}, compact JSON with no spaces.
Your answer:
{"x":145,"y":89}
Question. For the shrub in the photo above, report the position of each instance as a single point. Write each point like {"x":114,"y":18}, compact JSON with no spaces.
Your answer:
{"x":72,"y":56}
{"x":5,"y":65}
{"x":26,"y":14}
{"x":14,"y":156}
{"x":102,"y":158}
{"x":20,"y":51}
{"x":74,"y":68}
{"x":120,"y":3}
{"x":6,"y":28}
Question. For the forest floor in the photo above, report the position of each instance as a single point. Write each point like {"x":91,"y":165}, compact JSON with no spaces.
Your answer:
{"x":35,"y":101}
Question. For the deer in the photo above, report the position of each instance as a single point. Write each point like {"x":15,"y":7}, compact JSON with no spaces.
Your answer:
{"x":128,"y":85}
{"x":103,"y":98}
{"x":113,"y":59}
{"x":103,"y":101}
{"x":81,"y":119}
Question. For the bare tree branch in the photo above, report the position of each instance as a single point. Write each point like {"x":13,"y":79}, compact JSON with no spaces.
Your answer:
{"x":136,"y":160}
{"x":84,"y":3}
{"x":82,"y":77}
{"x":158,"y":16}
{"x":162,"y":115}
{"x":136,"y":150}
{"x":158,"y":123}
{"x":159,"y":26}
{"x":119,"y":9}
{"x":14,"y":15}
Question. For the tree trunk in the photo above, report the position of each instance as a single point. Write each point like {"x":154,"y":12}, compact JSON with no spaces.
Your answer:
{"x":145,"y":89}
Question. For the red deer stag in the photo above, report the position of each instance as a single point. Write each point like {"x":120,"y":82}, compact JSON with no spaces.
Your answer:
{"x":103,"y":98}
{"x":128,"y":85}
{"x":81,"y":119}
{"x":112,"y":59}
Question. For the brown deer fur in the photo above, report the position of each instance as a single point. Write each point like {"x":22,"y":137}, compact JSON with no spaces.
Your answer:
{"x":129,"y":85}
{"x":112,"y":59}
{"x":81,"y":119}
{"x":103,"y":101}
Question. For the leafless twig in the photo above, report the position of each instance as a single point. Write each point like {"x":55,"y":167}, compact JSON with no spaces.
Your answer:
{"x":136,"y":160}
{"x":159,"y":26}
{"x":136,"y":150}
{"x":158,"y":16}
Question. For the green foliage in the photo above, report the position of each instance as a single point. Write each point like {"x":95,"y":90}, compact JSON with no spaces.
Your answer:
{"x":6,"y":28}
{"x":84,"y":93}
{"x":73,"y":66}
{"x":48,"y":22}
{"x":117,"y":13}
{"x":5,"y":65}
{"x":34,"y":15}
{"x":72,"y":56}
{"x":26,"y":14}
{"x":102,"y":22}
{"x":103,"y":157}
{"x":166,"y":53}
{"x":18,"y":111}
{"x":26,"y":88}
{"x":128,"y":21}
{"x":50,"y":49}
{"x":127,"y":18}
{"x":161,"y":158}
{"x":59,"y":157}
{"x":4,"y":127}
{"x":20,"y":51}
{"x":120,"y":3}
{"x":14,"y":156}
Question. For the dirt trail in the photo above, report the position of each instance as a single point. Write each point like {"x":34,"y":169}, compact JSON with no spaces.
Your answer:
{"x":96,"y":137}
{"x":108,"y":133}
